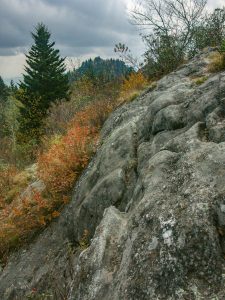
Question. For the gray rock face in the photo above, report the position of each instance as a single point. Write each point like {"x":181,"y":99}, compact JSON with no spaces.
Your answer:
{"x":147,"y":219}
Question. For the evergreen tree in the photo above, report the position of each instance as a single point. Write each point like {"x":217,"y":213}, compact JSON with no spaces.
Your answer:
{"x":13,"y":87}
{"x":4,"y":91}
{"x":44,"y":82}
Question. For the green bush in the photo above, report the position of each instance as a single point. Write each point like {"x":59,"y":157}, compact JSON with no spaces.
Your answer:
{"x":200,"y":80}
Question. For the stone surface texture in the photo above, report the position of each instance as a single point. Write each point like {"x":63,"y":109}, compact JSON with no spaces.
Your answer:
{"x":147,"y":218}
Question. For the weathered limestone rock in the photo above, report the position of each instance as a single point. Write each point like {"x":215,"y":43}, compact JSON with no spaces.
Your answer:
{"x":147,"y":219}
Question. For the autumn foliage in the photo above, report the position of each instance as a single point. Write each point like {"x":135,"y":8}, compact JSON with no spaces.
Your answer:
{"x":58,"y":167}
{"x":22,"y":218}
{"x":62,"y":164}
{"x":133,"y":84}
{"x":25,"y":210}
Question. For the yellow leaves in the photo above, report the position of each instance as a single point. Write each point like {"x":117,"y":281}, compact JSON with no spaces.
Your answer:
{"x":55,"y":214}
{"x":83,"y":87}
{"x":42,"y":221}
{"x":132,"y":87}
{"x":136,"y":81}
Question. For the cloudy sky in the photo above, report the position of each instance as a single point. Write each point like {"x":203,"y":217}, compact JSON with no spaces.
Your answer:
{"x":81,"y":29}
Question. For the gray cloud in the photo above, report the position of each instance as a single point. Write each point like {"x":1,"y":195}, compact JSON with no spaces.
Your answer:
{"x":75,"y":24}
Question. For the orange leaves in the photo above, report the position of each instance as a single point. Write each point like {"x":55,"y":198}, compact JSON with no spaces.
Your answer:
{"x":24,"y":216}
{"x":17,"y":212}
{"x":60,"y":166}
{"x":55,"y":214}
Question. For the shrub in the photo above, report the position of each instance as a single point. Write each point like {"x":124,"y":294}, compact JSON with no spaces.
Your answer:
{"x":62,"y":112}
{"x":84,"y":93}
{"x":59,"y":115}
{"x":217,"y":62}
{"x":19,"y":220}
{"x":6,"y":153}
{"x":63,"y":157}
{"x":7,"y":174}
{"x":210,"y":31}
{"x":63,"y":162}
{"x":132,"y":86}
{"x":163,"y":55}
{"x":200,"y":80}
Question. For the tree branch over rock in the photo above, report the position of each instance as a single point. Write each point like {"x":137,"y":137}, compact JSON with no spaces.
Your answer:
{"x":176,"y":18}
{"x":171,"y":29}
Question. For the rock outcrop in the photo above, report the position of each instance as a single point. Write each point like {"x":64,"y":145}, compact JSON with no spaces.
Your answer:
{"x":147,"y":219}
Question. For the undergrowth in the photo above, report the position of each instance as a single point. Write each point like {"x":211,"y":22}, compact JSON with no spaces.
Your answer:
{"x":25,"y":210}
{"x":217,"y":62}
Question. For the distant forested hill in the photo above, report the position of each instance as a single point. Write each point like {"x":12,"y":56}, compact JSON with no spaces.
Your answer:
{"x":104,"y":70}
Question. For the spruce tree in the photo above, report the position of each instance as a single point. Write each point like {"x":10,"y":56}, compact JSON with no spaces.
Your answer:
{"x":44,"y":81}
{"x":4,"y":91}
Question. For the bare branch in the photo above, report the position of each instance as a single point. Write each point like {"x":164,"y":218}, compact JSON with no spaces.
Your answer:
{"x":175,"y":18}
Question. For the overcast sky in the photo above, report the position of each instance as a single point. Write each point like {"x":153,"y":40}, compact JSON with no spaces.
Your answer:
{"x":81,"y":29}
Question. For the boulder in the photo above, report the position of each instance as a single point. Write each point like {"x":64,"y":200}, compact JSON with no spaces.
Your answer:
{"x":147,"y":217}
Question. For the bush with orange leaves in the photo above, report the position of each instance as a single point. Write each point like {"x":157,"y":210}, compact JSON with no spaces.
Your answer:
{"x":64,"y":161}
{"x":21,"y":219}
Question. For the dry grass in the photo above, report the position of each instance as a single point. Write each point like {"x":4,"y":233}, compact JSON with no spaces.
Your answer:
{"x":132,"y":87}
{"x":217,"y":62}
